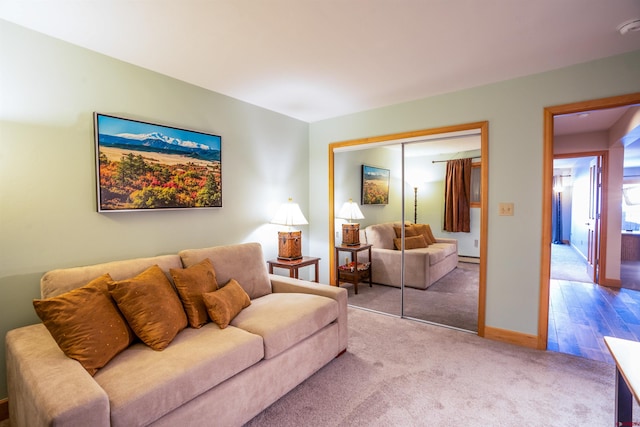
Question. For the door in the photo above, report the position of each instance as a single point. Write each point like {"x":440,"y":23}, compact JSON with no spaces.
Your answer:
{"x":593,"y":223}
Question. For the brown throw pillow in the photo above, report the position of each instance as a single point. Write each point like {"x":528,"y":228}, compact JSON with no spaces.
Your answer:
{"x":86,"y":324}
{"x":191,"y":283}
{"x":431,"y":236}
{"x":408,"y":230}
{"x":413,"y":242}
{"x":151,"y":307}
{"x":225,"y":303}
{"x":425,"y":230}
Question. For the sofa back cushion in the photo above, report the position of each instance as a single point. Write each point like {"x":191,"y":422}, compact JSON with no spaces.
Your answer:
{"x":381,"y":235}
{"x":243,"y":262}
{"x":56,"y":282}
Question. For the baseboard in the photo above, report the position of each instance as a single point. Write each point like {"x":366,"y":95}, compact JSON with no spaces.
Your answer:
{"x":612,"y":283}
{"x":511,"y":337}
{"x":4,"y":409}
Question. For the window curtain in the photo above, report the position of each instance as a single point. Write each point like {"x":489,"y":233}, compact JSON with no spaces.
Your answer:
{"x":457,"y":192}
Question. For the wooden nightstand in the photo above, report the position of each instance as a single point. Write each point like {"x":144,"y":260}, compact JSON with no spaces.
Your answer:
{"x":354,"y":275}
{"x":294,"y":265}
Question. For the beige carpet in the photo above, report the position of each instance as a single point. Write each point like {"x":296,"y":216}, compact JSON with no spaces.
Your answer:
{"x":399,"y":372}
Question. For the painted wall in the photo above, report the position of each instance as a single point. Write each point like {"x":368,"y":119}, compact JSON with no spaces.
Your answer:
{"x":514,"y":110}
{"x":49,"y":91}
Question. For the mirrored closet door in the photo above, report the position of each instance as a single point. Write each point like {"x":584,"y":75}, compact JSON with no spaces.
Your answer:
{"x":405,"y":178}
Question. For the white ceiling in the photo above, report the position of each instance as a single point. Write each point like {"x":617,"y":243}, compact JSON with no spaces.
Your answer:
{"x":316,"y":59}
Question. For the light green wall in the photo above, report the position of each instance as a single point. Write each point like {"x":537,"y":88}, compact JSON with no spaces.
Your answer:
{"x":514,"y":110}
{"x":48,"y":93}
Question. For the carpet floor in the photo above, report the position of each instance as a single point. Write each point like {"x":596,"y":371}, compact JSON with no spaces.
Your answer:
{"x":398,"y":372}
{"x":451,"y":301}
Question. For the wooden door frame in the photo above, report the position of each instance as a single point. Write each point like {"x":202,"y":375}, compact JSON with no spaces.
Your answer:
{"x":547,"y":189}
{"x":483,"y":127}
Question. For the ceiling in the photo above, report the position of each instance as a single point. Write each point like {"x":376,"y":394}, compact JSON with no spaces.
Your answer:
{"x":317,"y":59}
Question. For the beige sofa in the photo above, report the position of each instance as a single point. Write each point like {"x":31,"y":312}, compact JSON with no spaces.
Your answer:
{"x":423,"y":266}
{"x":205,"y":376}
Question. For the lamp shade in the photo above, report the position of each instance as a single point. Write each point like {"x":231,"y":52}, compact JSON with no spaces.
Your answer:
{"x":289,"y":214}
{"x":350,"y":211}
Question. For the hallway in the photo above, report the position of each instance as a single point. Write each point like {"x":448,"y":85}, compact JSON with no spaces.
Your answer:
{"x":582,"y":313}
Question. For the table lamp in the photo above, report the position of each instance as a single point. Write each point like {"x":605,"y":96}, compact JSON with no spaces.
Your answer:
{"x":350,"y":230}
{"x":289,"y":242}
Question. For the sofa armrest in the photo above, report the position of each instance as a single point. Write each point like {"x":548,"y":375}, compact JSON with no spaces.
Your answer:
{"x":281,"y":284}
{"x":48,"y":388}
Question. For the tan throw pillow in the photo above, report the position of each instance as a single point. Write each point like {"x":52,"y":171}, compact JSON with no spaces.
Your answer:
{"x":425,"y":230}
{"x":225,"y":303}
{"x":408,"y":230}
{"x":191,"y":283}
{"x":86,"y":324}
{"x":431,"y":236}
{"x":151,"y":306}
{"x":413,"y":242}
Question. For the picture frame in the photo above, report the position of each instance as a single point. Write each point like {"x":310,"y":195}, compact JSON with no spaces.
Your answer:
{"x":143,"y":166}
{"x":375,"y":185}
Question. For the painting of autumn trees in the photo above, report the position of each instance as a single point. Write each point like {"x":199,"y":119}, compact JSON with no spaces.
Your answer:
{"x":151,"y":168}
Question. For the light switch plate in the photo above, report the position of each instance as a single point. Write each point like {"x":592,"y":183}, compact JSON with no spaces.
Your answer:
{"x":505,"y":209}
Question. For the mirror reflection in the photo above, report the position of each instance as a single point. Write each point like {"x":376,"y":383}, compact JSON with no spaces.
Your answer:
{"x":434,"y":275}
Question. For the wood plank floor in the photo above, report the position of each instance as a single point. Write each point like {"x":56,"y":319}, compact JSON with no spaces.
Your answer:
{"x":581,"y":314}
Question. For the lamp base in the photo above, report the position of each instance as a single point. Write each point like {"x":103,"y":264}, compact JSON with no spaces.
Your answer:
{"x":351,"y":234}
{"x":289,"y":245}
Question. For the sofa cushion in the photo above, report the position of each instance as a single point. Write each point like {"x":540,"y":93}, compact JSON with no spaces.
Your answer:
{"x":86,"y":324}
{"x":225,"y":303}
{"x":381,"y":235}
{"x":412,"y":242}
{"x":151,"y":306}
{"x":285,"y":319}
{"x":243,"y":262}
{"x":191,"y":283}
{"x":439,"y":251}
{"x":143,"y":385}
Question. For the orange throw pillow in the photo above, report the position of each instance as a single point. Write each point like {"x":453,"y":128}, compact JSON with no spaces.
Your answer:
{"x":151,"y":306}
{"x":191,"y":283}
{"x":86,"y":324}
{"x":413,"y":242}
{"x":425,"y":230}
{"x":226,"y":303}
{"x":408,"y":230}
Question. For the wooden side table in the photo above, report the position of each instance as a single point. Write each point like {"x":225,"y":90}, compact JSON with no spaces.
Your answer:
{"x":355,"y":276}
{"x":294,"y":265}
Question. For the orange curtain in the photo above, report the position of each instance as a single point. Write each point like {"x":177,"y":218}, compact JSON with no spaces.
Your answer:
{"x":456,"y":196}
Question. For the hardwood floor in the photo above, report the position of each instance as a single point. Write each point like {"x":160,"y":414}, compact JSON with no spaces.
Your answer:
{"x":581,"y":314}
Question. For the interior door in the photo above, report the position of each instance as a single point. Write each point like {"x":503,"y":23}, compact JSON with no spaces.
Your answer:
{"x":593,"y":223}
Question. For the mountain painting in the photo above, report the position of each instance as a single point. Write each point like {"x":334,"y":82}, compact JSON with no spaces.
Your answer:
{"x":148,"y":166}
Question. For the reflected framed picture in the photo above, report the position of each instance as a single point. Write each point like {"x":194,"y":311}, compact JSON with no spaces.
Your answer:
{"x":144,"y":166}
{"x":375,"y":185}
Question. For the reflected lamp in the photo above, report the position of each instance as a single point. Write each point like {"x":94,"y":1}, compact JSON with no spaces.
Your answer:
{"x":350,"y":230}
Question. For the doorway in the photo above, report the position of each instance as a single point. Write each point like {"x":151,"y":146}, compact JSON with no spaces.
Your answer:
{"x":604,"y":280}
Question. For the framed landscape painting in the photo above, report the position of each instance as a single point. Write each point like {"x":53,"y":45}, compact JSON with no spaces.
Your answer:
{"x":375,"y":185}
{"x":145,"y":166}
